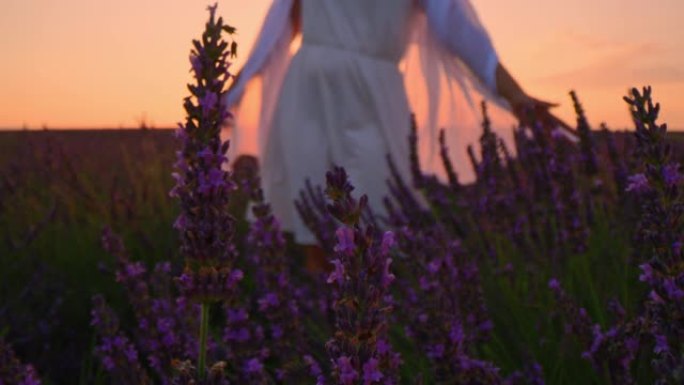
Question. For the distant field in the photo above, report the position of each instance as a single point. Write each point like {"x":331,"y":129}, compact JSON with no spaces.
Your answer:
{"x":112,"y":144}
{"x":58,"y":189}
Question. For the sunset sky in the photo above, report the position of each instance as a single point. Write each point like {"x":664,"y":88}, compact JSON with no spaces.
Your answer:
{"x":96,"y":63}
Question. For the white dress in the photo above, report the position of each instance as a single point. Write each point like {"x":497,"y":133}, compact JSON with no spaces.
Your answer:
{"x":341,"y":98}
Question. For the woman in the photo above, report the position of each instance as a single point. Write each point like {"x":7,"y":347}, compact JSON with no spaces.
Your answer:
{"x":342,"y":97}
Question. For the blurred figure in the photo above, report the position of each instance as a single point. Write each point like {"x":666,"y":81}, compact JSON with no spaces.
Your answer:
{"x":345,"y":95}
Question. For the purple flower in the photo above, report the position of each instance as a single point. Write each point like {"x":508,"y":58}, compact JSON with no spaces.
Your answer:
{"x":276,"y":332}
{"x":208,"y":102}
{"x":647,"y":273}
{"x":456,"y":334}
{"x":338,"y":273}
{"x":434,"y":266}
{"x":426,"y":284}
{"x":558,"y":134}
{"x":435,"y":351}
{"x":672,"y":290}
{"x":371,"y":372}
{"x":554,"y":284}
{"x":347,"y":372}
{"x":253,"y":366}
{"x":315,"y":368}
{"x":130,"y":271}
{"x":387,"y":276}
{"x":269,"y":300}
{"x":186,"y":281}
{"x":239,"y":335}
{"x":238,"y":315}
{"x":383,"y":347}
{"x":677,"y":247}
{"x":637,"y":183}
{"x":234,"y":277}
{"x":196,"y":65}
{"x":671,"y":174}
{"x":661,"y":345}
{"x":131,"y":354}
{"x":655,"y":297}
{"x":108,"y":363}
{"x":388,"y":241}
{"x":486,"y":326}
{"x":206,"y":154}
{"x":215,"y":179}
{"x":165,"y":325}
{"x":345,"y":241}
{"x":180,"y":133}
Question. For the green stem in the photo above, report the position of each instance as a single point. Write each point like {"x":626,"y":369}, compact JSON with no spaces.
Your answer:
{"x":204,"y":329}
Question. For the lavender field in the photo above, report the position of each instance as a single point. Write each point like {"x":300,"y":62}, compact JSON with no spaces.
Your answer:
{"x":561,"y":265}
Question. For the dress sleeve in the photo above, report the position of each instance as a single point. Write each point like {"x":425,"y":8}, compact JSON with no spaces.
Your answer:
{"x":275,"y":32}
{"x":457,"y":27}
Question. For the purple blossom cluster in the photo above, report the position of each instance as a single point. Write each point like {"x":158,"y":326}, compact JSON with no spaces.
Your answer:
{"x":359,"y":350}
{"x":660,"y":232}
{"x":449,"y":317}
{"x":12,"y":371}
{"x":117,"y":354}
{"x":614,"y":349}
{"x":312,"y":208}
{"x":203,"y":184}
{"x":266,"y":326}
{"x":587,"y":146}
{"x":166,"y":323}
{"x":262,"y":340}
{"x":657,"y":325}
{"x":277,"y":297}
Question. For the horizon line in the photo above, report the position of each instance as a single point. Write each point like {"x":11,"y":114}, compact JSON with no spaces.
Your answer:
{"x":84,"y":128}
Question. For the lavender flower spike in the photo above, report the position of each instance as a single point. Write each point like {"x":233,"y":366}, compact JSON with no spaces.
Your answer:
{"x":359,"y":349}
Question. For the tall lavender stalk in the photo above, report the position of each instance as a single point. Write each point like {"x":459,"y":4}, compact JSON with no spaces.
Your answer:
{"x":360,"y":351}
{"x":276,"y":294}
{"x":656,"y":187}
{"x":116,"y":352}
{"x":587,"y":147}
{"x":660,"y":233}
{"x":165,"y":322}
{"x":618,"y":166}
{"x":203,"y":185}
{"x":612,"y":351}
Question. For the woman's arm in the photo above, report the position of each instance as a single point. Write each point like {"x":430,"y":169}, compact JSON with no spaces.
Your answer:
{"x":295,"y":19}
{"x":273,"y":38}
{"x":507,"y":86}
{"x":456,"y":25}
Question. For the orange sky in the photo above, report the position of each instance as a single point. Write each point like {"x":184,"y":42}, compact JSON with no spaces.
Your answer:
{"x":96,"y":63}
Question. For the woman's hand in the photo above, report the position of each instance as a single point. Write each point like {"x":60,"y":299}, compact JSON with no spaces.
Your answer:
{"x":527,"y":109}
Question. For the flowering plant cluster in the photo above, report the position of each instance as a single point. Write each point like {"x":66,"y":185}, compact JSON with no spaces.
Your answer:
{"x":561,"y":263}
{"x":12,"y":371}
{"x":360,"y":351}
{"x":203,"y":184}
{"x":656,"y":326}
{"x":415,"y":295}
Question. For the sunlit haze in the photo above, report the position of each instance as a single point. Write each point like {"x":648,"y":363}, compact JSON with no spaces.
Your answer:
{"x":108,"y":64}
